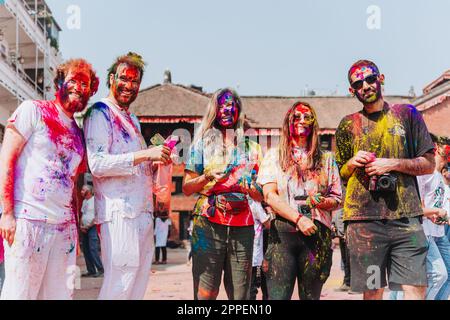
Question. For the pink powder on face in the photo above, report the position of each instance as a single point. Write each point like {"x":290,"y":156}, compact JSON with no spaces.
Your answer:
{"x":300,"y":130}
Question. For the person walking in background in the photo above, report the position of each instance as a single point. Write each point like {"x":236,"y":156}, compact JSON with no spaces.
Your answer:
{"x":446,"y":176}
{"x":89,"y":235}
{"x":431,"y":188}
{"x":339,"y":231}
{"x":262,"y":221}
{"x":162,"y":231}
{"x":189,"y":230}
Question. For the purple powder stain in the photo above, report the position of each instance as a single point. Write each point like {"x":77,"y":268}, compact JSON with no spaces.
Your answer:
{"x":311,"y":258}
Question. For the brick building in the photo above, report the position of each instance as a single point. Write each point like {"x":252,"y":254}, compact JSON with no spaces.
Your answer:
{"x":435,"y":105}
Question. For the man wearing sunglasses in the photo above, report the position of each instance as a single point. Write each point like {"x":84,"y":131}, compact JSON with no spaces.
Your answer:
{"x":380,"y":151}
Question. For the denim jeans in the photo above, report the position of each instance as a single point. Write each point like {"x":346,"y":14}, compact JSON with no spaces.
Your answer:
{"x":2,"y":275}
{"x":440,"y":258}
{"x":438,"y":270}
{"x":218,"y":249}
{"x":91,"y":250}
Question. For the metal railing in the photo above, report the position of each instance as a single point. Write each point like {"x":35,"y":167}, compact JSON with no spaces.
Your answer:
{"x":18,"y":70}
{"x":30,"y":11}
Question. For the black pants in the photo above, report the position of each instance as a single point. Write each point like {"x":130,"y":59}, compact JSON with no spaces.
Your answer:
{"x":293,"y":256}
{"x":258,"y":281}
{"x":345,"y":260}
{"x":164,"y":253}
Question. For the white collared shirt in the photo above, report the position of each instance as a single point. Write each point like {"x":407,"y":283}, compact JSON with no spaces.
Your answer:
{"x":112,"y":136}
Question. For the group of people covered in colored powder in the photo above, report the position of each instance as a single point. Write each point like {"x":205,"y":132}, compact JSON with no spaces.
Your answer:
{"x":292,"y":191}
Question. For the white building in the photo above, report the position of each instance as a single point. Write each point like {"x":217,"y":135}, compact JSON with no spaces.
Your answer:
{"x":29,"y":54}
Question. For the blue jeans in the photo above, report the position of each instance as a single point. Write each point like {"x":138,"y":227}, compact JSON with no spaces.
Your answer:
{"x":91,"y":250}
{"x":438,"y":270}
{"x":440,"y":255}
{"x":2,"y":275}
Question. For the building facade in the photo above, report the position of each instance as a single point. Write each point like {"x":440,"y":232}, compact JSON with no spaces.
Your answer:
{"x":435,"y":105}
{"x":29,"y":54}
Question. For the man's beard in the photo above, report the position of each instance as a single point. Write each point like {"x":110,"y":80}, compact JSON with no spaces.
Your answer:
{"x":73,"y":106}
{"x":372,"y":98}
{"x":124,"y":102}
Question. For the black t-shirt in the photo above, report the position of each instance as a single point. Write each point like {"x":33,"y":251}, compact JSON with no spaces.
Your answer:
{"x":398,"y":131}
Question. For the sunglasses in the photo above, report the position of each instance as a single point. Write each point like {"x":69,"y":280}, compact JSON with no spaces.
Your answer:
{"x":369,"y":79}
{"x":308,"y":118}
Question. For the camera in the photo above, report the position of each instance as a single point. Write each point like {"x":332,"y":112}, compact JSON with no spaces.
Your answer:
{"x":384,"y":183}
{"x":304,"y":209}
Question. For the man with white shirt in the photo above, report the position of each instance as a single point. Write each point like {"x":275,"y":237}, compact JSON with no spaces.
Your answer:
{"x":89,"y":235}
{"x":42,"y":155}
{"x":121,"y":165}
{"x":446,"y":174}
{"x":432,"y":190}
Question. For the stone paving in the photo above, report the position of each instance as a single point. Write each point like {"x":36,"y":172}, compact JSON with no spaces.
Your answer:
{"x":173,"y":281}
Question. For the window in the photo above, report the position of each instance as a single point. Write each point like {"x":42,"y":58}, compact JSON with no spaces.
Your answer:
{"x":177,"y":185}
{"x":325,"y":142}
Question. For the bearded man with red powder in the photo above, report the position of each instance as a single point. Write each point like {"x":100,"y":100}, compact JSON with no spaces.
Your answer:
{"x":380,"y":151}
{"x":43,"y":153}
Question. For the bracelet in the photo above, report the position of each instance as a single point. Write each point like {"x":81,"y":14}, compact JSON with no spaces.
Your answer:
{"x":297,"y":220}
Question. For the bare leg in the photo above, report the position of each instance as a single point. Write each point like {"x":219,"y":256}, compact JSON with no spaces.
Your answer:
{"x":414,"y":293}
{"x":376,"y":294}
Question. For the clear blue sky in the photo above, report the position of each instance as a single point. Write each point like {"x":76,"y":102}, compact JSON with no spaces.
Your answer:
{"x":263,"y":47}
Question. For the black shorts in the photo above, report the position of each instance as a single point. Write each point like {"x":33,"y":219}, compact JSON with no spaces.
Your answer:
{"x":393,"y":248}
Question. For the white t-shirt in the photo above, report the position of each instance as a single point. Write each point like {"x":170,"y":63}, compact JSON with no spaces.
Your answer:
{"x":88,"y":212}
{"x":447,"y":199}
{"x":325,"y":181}
{"x":259,"y":216}
{"x":431,"y":188}
{"x":45,"y":170}
{"x":162,"y":231}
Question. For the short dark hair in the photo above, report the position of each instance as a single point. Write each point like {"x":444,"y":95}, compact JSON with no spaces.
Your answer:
{"x":132,"y":59}
{"x":359,"y":64}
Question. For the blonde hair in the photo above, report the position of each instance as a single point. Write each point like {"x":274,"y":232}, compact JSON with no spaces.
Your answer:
{"x":286,"y":161}
{"x":208,"y":129}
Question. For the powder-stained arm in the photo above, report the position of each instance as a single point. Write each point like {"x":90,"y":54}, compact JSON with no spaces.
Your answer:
{"x":13,"y":144}
{"x":417,"y":166}
{"x":98,"y":136}
{"x":283,"y":209}
{"x":414,"y":167}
